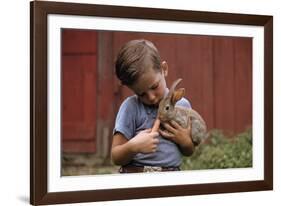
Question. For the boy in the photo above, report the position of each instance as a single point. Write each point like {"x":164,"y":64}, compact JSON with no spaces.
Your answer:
{"x":134,"y":146}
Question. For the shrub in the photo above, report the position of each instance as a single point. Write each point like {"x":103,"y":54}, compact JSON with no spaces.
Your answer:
{"x":221,"y":152}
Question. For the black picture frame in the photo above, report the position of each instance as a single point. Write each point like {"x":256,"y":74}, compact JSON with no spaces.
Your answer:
{"x":39,"y":102}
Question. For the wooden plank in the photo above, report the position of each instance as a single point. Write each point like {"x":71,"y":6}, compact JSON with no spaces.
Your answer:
{"x":79,"y":97}
{"x":105,"y":102}
{"x":195,"y":59}
{"x":79,"y":146}
{"x":79,"y":42}
{"x":224,"y":80}
{"x":243,"y":83}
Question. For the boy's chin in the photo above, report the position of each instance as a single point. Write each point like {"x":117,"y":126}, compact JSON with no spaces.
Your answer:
{"x":154,"y":104}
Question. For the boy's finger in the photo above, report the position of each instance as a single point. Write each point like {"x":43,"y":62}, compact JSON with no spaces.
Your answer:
{"x":155,"y":125}
{"x":169,"y":128}
{"x":189,"y":123}
{"x":166,"y":134}
{"x":175,"y":124}
{"x":154,"y":134}
{"x":156,"y":141}
{"x":146,"y":131}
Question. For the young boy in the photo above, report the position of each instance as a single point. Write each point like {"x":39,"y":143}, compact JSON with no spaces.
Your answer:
{"x":134,"y":146}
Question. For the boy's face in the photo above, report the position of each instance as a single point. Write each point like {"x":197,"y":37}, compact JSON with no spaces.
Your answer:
{"x":151,"y":86}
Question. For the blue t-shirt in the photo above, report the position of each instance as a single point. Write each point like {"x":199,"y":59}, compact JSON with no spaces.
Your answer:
{"x":133,"y":117}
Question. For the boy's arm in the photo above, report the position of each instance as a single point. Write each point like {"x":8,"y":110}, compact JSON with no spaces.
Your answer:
{"x":121,"y":151}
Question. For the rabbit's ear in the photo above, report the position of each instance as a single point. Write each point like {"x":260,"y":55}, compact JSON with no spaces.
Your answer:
{"x":177,"y":95}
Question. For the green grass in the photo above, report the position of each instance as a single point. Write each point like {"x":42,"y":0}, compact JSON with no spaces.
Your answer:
{"x":221,"y":152}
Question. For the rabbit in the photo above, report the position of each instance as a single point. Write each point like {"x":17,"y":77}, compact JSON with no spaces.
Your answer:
{"x":167,"y":111}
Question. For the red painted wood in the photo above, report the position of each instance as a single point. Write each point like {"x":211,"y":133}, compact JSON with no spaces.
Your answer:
{"x":79,"y":97}
{"x":79,"y":90}
{"x":106,"y":76}
{"x":224,"y":83}
{"x":243,"y":83}
{"x":79,"y":146}
{"x":206,"y":102}
{"x":194,"y":65}
{"x":75,"y":41}
{"x":106,"y":103}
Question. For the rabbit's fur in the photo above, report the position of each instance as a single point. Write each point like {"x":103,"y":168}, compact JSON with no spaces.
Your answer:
{"x":168,"y":111}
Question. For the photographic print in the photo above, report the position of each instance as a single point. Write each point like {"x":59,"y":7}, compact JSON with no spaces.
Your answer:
{"x":149,"y":103}
{"x":217,"y":76}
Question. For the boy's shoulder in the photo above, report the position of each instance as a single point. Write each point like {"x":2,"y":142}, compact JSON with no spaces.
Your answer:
{"x":131,"y":100}
{"x":130,"y":104}
{"x":184,"y":103}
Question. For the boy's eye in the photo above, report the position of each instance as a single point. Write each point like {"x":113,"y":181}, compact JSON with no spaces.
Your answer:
{"x":155,"y":86}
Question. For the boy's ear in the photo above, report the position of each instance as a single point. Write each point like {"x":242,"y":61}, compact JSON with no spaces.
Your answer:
{"x":177,"y":95}
{"x":165,"y":68}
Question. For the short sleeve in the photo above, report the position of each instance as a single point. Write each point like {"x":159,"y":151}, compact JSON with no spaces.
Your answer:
{"x":125,"y":119}
{"x":184,"y":103}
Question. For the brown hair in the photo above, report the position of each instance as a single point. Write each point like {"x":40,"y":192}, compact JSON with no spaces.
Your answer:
{"x":134,"y":58}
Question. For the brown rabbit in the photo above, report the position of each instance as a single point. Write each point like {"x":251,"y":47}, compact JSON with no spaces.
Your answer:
{"x":167,"y":111}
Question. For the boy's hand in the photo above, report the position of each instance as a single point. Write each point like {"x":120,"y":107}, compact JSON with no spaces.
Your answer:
{"x":176,"y":133}
{"x":145,"y":142}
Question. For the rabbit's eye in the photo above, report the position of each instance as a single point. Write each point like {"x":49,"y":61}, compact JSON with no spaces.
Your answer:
{"x":167,"y":107}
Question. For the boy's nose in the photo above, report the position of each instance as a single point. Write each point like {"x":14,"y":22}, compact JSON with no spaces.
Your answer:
{"x":151,"y":96}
